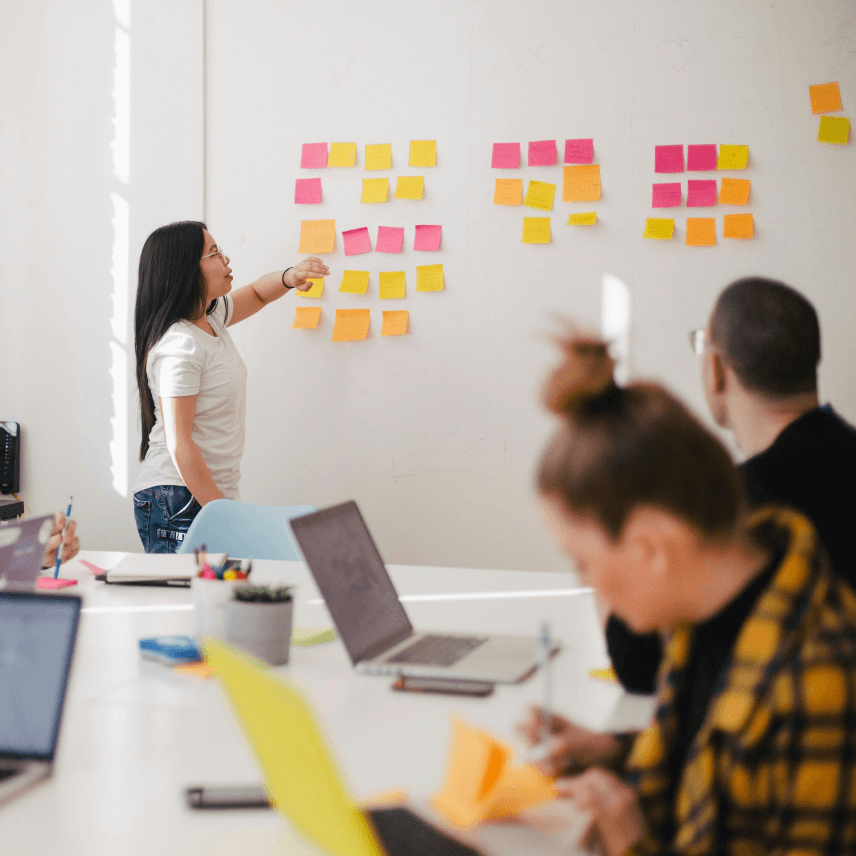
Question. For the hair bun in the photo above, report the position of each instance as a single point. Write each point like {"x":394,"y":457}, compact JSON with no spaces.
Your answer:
{"x":585,"y":376}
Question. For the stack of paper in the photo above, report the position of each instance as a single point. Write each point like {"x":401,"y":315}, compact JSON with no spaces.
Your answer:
{"x":158,"y":567}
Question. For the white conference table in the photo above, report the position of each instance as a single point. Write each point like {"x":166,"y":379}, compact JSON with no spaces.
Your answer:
{"x":135,"y":734}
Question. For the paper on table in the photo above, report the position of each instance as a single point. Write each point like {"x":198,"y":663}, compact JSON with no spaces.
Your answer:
{"x":579,"y":151}
{"x":733,"y":157}
{"x":392,"y":285}
{"x":536,"y":230}
{"x":429,"y":278}
{"x":306,"y":318}
{"x":379,"y":156}
{"x":303,"y":636}
{"x":394,"y":322}
{"x":668,"y":158}
{"x":355,"y":281}
{"x":701,"y":193}
{"x":428,"y":238}
{"x":313,"y":156}
{"x":317,"y":236}
{"x":423,"y":153}
{"x":409,"y":187}
{"x":390,"y":239}
{"x":508,"y":191}
{"x":351,"y":325}
{"x":540,"y":194}
{"x":375,"y":190}
{"x":357,"y":241}
{"x":739,"y":226}
{"x":342,"y":154}
{"x":666,"y":195}
{"x":543,"y":153}
{"x":833,"y":129}
{"x":701,"y":158}
{"x":825,"y":97}
{"x":589,"y":218}
{"x":581,"y":183}
{"x":307,"y":191}
{"x":316,"y":291}
{"x":506,"y":156}
{"x":135,"y":567}
{"x":734,"y":191}
{"x":701,"y":231}
{"x":658,"y":227}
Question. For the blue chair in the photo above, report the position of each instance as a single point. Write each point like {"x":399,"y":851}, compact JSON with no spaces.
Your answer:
{"x":245,"y":531}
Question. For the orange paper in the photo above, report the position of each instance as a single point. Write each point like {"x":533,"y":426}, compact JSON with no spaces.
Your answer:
{"x":701,"y":231}
{"x":734,"y":191}
{"x":395,"y":322}
{"x":581,"y":183}
{"x":351,"y":325}
{"x":508,"y":191}
{"x":825,"y":97}
{"x":739,"y":226}
{"x":306,"y":318}
{"x":317,"y":236}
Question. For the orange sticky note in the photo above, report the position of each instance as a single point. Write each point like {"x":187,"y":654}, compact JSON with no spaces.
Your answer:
{"x":508,"y":191}
{"x":351,"y":325}
{"x":739,"y":226}
{"x":317,"y":236}
{"x":306,"y":318}
{"x":395,"y":322}
{"x":701,"y":231}
{"x":391,"y":285}
{"x":825,"y":97}
{"x":581,"y":183}
{"x":316,"y":291}
{"x":734,"y":191}
{"x":201,"y":671}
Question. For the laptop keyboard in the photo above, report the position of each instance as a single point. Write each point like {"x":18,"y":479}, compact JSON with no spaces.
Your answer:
{"x":437,"y":650}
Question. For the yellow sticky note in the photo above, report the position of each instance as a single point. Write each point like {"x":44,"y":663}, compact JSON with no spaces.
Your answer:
{"x":355,"y":281}
{"x":351,"y":325}
{"x":508,"y":191}
{"x":306,"y":318}
{"x":540,"y":194}
{"x":342,"y":154}
{"x":833,"y":129}
{"x":536,"y":230}
{"x":607,"y":674}
{"x":316,"y":291}
{"x":825,"y":97}
{"x":733,"y":157}
{"x":409,"y":187}
{"x":391,"y":284}
{"x":423,"y":153}
{"x":589,"y":218}
{"x":659,"y":227}
{"x":429,"y":278}
{"x":734,"y":191}
{"x":701,"y":231}
{"x":395,"y":322}
{"x":306,"y":636}
{"x":375,"y":190}
{"x":581,"y":183}
{"x":739,"y":226}
{"x":379,"y":156}
{"x":317,"y":236}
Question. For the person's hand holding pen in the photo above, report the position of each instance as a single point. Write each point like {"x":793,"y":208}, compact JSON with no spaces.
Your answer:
{"x":69,"y":542}
{"x":310,"y":268}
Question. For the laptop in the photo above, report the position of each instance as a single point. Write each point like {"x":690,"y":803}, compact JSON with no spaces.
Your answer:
{"x":37,"y":633}
{"x":371,"y":621}
{"x":22,"y":546}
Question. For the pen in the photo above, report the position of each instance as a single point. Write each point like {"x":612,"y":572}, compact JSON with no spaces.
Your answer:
{"x":545,"y":645}
{"x":61,"y":536}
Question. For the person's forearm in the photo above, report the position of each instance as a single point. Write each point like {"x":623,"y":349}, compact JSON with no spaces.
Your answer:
{"x":195,"y":473}
{"x":270,"y":287}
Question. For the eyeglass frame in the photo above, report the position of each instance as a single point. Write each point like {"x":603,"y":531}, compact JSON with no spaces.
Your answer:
{"x":699,"y":341}
{"x":217,"y":252}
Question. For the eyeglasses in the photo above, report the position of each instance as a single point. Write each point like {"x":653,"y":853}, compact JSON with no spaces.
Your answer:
{"x":217,"y":252}
{"x":699,"y":341}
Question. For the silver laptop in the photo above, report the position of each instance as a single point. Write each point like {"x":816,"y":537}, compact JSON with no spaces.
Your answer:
{"x":371,"y":621}
{"x":37,"y":633}
{"x":22,"y":546}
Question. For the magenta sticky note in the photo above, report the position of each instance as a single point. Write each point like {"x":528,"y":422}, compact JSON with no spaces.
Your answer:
{"x":701,"y":158}
{"x":666,"y":195}
{"x":506,"y":156}
{"x":428,"y":238}
{"x":579,"y":151}
{"x":543,"y":153}
{"x":357,"y":241}
{"x":51,"y":583}
{"x":313,"y":156}
{"x":701,"y":193}
{"x":390,"y":239}
{"x":668,"y":158}
{"x":307,"y":191}
{"x":90,"y":567}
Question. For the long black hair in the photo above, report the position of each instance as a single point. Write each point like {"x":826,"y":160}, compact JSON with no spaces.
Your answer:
{"x":170,"y":288}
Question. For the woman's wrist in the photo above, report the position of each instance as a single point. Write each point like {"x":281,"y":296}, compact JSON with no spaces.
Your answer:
{"x":284,"y":283}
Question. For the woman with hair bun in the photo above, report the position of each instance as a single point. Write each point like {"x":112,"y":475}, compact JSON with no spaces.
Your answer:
{"x":753,"y":746}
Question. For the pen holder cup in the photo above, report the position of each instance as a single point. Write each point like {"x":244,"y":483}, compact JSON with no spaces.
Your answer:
{"x":261,"y":629}
{"x":209,"y":606}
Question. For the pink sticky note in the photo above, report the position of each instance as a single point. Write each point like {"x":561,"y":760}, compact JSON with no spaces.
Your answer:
{"x":390,"y":239}
{"x":542,"y":153}
{"x":666,"y":195}
{"x":313,"y":156}
{"x":307,"y":191}
{"x":701,"y":158}
{"x":668,"y":158}
{"x":357,"y":241}
{"x":51,"y":583}
{"x":701,"y":193}
{"x":428,"y":238}
{"x":579,"y":151}
{"x":506,"y":156}
{"x":90,"y":567}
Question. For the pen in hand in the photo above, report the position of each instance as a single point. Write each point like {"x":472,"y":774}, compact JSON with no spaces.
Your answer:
{"x":62,"y":538}
{"x":541,"y":749}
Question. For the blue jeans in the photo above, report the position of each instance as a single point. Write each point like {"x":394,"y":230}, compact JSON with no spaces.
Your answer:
{"x":164,"y":514}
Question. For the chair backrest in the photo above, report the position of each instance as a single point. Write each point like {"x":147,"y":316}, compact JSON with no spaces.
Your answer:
{"x":245,"y":531}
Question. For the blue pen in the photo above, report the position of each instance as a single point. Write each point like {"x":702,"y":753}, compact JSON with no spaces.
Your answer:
{"x":62,"y":535}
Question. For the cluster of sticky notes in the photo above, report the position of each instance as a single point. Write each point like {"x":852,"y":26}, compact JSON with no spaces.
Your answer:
{"x":390,"y":239}
{"x":377,"y":155}
{"x":700,"y":158}
{"x":392,"y":285}
{"x":351,"y":325}
{"x":406,"y":187}
{"x":701,"y":231}
{"x":826,"y":98}
{"x":701,"y":193}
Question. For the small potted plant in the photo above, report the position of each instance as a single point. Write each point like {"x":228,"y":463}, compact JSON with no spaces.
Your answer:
{"x":259,"y":619}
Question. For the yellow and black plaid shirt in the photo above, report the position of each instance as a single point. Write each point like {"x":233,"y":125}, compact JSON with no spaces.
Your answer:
{"x":772,"y":770}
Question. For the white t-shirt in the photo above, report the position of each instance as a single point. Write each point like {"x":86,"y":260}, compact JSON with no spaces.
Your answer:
{"x":188,"y":361}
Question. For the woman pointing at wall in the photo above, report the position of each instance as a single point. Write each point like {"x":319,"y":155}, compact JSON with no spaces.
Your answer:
{"x":191,"y":378}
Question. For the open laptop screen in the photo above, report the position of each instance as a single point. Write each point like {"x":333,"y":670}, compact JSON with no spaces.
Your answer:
{"x":353,"y":580}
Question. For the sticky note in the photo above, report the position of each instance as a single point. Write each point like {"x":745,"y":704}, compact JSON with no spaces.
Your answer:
{"x":666,"y":195}
{"x":429,"y":278}
{"x":351,"y":325}
{"x":701,"y":158}
{"x":701,"y":193}
{"x":307,"y":191}
{"x":543,"y":153}
{"x":658,"y":227}
{"x":392,"y":285}
{"x":579,"y":151}
{"x":316,"y":291}
{"x":536,"y":230}
{"x":701,"y":231}
{"x":825,"y":97}
{"x":395,"y":322}
{"x":739,"y":226}
{"x":607,"y":674}
{"x":734,"y":191}
{"x":379,"y":156}
{"x":317,"y":236}
{"x":313,"y":156}
{"x":733,"y":157}
{"x":422,"y":153}
{"x":833,"y":129}
{"x":357,"y":241}
{"x":589,"y":218}
{"x":390,"y":239}
{"x":668,"y":158}
{"x":428,"y":238}
{"x":581,"y":183}
{"x":306,"y":318}
{"x":355,"y":281}
{"x":409,"y":187}
{"x":342,"y":154}
{"x":506,"y":156}
{"x":508,"y":191}
{"x":540,"y":194}
{"x":375,"y":190}
{"x":305,"y":636}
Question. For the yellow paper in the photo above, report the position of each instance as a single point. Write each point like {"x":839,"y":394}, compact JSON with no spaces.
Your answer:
{"x":825,"y":97}
{"x":429,"y":278}
{"x":316,"y":291}
{"x":375,"y":190}
{"x":317,"y":236}
{"x":659,"y":227}
{"x":305,"y":636}
{"x":508,"y":191}
{"x":409,"y":187}
{"x":392,"y":284}
{"x":739,"y":226}
{"x":581,"y":183}
{"x":540,"y":194}
{"x":342,"y":154}
{"x":701,"y":232}
{"x":536,"y":230}
{"x":607,"y":674}
{"x":351,"y":325}
{"x":423,"y":153}
{"x":379,"y":156}
{"x":306,"y":318}
{"x":355,"y":281}
{"x":734,"y":191}
{"x":395,"y":322}
{"x":587,"y":219}
{"x":833,"y":129}
{"x":733,"y":157}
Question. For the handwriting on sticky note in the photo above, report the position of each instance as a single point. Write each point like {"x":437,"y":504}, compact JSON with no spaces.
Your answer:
{"x":428,"y":238}
{"x":306,"y":318}
{"x":351,"y":325}
{"x":540,"y":194}
{"x":429,"y":278}
{"x":733,"y":157}
{"x":833,"y":129}
{"x":825,"y":97}
{"x":668,"y":158}
{"x":581,"y":183}
{"x":409,"y":187}
{"x":701,"y":231}
{"x":701,"y":158}
{"x":342,"y":154}
{"x":379,"y":156}
{"x":316,"y":291}
{"x":395,"y":322}
{"x":536,"y":230}
{"x":391,"y":285}
{"x":588,"y":218}
{"x":506,"y":156}
{"x":739,"y":226}
{"x":317,"y":236}
{"x":422,"y":153}
{"x":579,"y":151}
{"x":666,"y":195}
{"x":659,"y":227}
{"x":734,"y":191}
{"x":508,"y":191}
{"x":313,"y":156}
{"x":543,"y":153}
{"x":701,"y":193}
{"x":357,"y":241}
{"x":390,"y":239}
{"x":355,"y":281}
{"x":375,"y":190}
